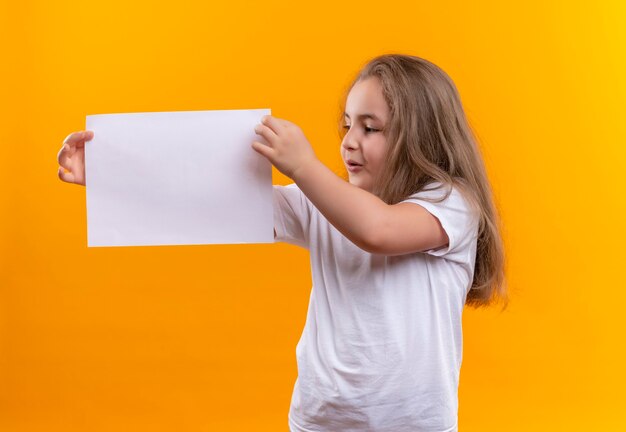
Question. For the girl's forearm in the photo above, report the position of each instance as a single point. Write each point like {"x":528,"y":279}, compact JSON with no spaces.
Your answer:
{"x":353,"y":211}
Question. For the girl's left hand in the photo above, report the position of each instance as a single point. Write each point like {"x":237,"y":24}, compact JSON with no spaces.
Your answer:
{"x":288,"y":149}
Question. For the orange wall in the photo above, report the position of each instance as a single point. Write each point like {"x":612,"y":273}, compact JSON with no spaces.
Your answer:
{"x":203,"y":337}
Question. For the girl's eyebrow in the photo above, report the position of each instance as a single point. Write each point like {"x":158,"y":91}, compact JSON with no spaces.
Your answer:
{"x":366,"y":115}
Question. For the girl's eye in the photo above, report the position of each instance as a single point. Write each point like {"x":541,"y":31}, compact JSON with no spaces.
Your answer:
{"x":367,"y":129}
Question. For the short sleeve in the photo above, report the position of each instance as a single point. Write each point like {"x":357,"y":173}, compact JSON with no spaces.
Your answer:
{"x":457,"y":218}
{"x":291,"y":215}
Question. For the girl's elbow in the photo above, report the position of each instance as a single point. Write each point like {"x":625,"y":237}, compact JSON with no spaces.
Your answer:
{"x":372,"y":243}
{"x":373,"y":240}
{"x":385,"y":241}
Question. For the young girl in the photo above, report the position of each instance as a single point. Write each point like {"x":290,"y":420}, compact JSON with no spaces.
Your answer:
{"x":396,"y":252}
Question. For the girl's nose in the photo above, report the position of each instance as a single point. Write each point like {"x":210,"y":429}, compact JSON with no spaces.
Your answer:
{"x":348,"y":143}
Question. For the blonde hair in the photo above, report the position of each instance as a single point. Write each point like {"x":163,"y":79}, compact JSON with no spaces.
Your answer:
{"x":429,"y":139}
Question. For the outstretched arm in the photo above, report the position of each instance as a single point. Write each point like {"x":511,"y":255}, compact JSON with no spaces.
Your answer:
{"x":362,"y":217}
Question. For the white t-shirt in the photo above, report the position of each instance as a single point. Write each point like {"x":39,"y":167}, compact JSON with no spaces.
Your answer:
{"x":382,"y":345}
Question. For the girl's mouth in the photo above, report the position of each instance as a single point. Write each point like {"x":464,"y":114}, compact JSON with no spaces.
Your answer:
{"x":352,"y":167}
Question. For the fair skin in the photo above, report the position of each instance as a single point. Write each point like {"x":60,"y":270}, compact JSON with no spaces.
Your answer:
{"x":71,"y":157}
{"x":365,"y":142}
{"x":350,"y":207}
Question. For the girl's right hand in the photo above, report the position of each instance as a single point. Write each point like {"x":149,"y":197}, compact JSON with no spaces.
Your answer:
{"x":71,"y":157}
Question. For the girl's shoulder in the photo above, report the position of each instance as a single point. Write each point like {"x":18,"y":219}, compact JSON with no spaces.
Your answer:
{"x":453,"y":197}
{"x":435,"y":190}
{"x":440,"y":192}
{"x":458,"y":218}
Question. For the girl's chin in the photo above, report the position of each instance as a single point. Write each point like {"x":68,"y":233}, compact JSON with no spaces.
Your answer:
{"x":359,"y":184}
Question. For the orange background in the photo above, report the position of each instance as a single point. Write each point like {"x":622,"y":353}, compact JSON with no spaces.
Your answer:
{"x":203,"y":337}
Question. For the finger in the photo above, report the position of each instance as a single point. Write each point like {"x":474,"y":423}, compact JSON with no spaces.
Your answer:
{"x":266,"y":133}
{"x":264,"y":150}
{"x":272,"y":122}
{"x":78,"y":138}
{"x":283,"y":122}
{"x":65,"y":176}
{"x":63,"y":157}
{"x":73,"y":138}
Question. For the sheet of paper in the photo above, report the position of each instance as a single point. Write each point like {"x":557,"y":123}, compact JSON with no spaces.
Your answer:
{"x":177,"y":178}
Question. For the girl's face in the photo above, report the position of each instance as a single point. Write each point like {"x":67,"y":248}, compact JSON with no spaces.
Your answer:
{"x":364,"y":145}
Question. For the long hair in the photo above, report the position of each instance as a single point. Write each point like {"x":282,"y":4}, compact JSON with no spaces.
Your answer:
{"x":429,"y":139}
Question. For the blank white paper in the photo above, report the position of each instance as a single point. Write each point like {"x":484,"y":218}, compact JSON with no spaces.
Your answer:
{"x":177,"y":178}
